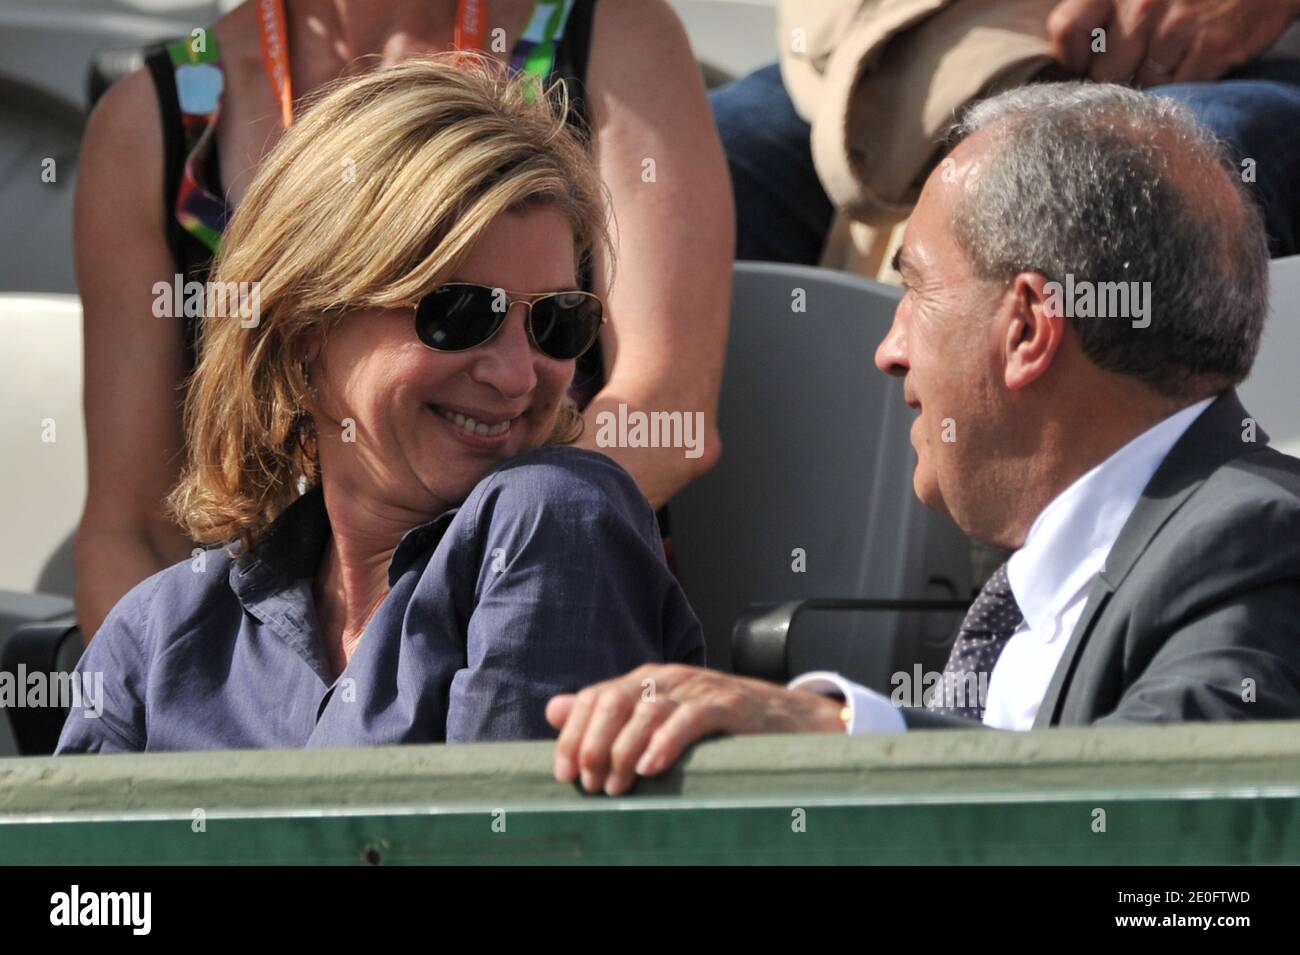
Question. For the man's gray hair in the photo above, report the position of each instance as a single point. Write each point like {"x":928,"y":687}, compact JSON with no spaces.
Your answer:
{"x":1099,"y":182}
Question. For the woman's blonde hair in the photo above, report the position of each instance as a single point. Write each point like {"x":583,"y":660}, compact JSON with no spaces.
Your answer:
{"x":374,"y":197}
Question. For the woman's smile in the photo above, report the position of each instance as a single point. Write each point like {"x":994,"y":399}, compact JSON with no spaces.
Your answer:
{"x":484,"y":431}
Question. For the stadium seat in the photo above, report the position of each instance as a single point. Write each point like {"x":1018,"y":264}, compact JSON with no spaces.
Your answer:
{"x":43,"y":483}
{"x":51,"y":647}
{"x":813,"y":495}
{"x":1272,"y":393}
{"x":45,"y":48}
{"x":730,"y":37}
{"x":8,"y":741}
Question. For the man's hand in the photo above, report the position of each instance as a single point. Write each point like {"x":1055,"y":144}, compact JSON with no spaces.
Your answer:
{"x":1154,"y":42}
{"x":641,"y":722}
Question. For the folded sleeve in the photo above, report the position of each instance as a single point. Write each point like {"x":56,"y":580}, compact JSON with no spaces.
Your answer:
{"x":108,"y":711}
{"x":869,"y":711}
{"x":571,"y":587}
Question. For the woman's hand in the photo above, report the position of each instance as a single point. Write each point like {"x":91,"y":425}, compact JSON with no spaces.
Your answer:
{"x":1154,"y":42}
{"x":640,"y":723}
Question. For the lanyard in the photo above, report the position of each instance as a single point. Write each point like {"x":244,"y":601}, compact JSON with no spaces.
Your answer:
{"x":471,"y":24}
{"x":275,"y":55}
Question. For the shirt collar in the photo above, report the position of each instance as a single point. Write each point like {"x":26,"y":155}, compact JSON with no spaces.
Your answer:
{"x":290,"y":550}
{"x":1069,"y":541}
{"x":295,"y":541}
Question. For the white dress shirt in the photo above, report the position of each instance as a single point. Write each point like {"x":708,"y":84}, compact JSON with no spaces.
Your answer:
{"x":1050,"y":575}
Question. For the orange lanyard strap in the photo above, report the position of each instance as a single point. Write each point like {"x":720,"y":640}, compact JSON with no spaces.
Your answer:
{"x":275,"y":55}
{"x":471,"y":27}
{"x":471,"y":24}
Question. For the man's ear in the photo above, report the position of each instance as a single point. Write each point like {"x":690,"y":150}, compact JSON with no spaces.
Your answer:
{"x":1036,"y":329}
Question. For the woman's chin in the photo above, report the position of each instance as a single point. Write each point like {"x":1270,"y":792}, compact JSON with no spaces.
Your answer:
{"x":460,"y":461}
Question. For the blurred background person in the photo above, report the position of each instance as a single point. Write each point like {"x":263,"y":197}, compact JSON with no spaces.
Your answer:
{"x":171,"y":148}
{"x":851,"y":119}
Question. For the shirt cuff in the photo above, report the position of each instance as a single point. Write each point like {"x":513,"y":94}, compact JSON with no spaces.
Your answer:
{"x":869,"y":711}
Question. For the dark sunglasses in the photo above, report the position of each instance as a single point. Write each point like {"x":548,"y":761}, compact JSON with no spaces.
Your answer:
{"x":458,"y":316}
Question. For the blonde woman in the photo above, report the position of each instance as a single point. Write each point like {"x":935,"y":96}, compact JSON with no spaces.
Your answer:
{"x":171,"y":149}
{"x":411,"y":252}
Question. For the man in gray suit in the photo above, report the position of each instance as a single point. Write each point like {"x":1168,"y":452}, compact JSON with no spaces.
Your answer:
{"x":1086,"y":284}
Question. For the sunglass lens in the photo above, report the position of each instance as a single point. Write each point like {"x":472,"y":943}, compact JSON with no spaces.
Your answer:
{"x":457,"y":317}
{"x":565,"y":324}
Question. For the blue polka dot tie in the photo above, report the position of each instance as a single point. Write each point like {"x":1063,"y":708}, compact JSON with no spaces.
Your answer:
{"x":989,"y":624}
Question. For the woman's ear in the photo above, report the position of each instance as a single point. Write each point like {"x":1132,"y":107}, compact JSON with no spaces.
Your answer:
{"x":309,"y":348}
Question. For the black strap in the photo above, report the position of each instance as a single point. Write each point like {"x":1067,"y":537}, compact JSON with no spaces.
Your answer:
{"x":192,"y":258}
{"x":571,"y":59}
{"x":572,"y":56}
{"x":173,"y":133}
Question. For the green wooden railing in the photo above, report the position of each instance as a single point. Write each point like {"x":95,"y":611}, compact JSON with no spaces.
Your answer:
{"x":1195,"y":793}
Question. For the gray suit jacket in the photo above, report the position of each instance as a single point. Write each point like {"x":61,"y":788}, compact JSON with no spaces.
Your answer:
{"x":1196,"y":615}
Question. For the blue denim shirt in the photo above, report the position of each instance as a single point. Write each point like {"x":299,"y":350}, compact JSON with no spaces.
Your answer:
{"x":549,"y":577}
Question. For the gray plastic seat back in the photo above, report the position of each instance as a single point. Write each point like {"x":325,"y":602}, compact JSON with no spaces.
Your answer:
{"x":1272,"y":392}
{"x":42,"y":429}
{"x":8,"y":745}
{"x":816,"y":461}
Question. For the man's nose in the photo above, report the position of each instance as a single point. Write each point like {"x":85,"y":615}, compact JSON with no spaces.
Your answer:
{"x":891,"y":353}
{"x":506,"y":363}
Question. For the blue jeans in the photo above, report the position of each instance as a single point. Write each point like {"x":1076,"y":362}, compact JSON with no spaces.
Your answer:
{"x":783,"y":214}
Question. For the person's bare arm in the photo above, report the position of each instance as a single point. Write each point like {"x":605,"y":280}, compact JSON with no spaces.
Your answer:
{"x":133,"y":360}
{"x":660,"y":156}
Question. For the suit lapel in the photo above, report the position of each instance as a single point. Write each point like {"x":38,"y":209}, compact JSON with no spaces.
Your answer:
{"x":1213,"y":439}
